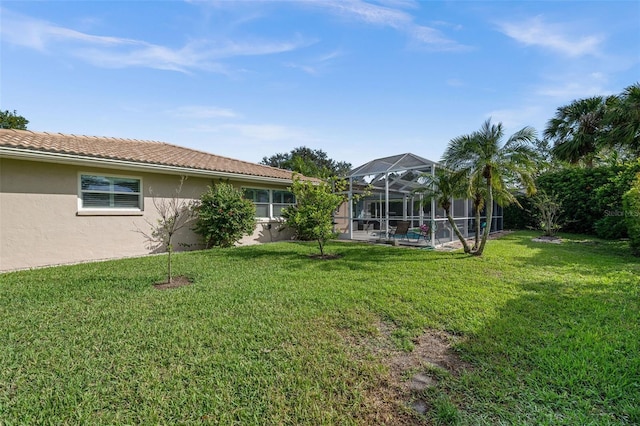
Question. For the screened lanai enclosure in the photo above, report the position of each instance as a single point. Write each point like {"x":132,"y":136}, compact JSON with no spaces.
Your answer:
{"x":384,"y":205}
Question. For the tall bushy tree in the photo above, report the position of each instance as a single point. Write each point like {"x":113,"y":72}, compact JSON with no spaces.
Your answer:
{"x":622,"y":121}
{"x":575,"y":130}
{"x":483,"y":158}
{"x":224,"y":216}
{"x":308,"y":162}
{"x":312,"y":215}
{"x":11,"y":120}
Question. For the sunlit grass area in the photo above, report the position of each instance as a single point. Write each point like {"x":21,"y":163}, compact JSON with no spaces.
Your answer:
{"x":550,"y":333}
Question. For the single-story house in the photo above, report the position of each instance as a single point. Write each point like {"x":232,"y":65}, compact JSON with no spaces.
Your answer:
{"x":67,"y":198}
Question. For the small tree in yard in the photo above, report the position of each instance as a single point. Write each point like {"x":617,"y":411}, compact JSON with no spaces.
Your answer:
{"x":312,"y":215}
{"x":547,"y":209}
{"x":224,"y":216}
{"x":174,"y":214}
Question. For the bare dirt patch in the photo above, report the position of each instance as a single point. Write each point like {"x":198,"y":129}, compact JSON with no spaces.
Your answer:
{"x":548,"y":239}
{"x":179,"y":281}
{"x":398,"y":398}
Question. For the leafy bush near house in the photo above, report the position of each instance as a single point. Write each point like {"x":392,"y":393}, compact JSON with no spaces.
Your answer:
{"x":224,"y":216}
{"x":631,"y":206}
{"x":312,"y":215}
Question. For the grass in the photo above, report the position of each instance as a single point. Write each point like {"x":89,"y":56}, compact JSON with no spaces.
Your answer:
{"x":259,"y":338}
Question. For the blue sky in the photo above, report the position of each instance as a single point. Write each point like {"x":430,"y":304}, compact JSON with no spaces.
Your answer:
{"x":359,"y":80}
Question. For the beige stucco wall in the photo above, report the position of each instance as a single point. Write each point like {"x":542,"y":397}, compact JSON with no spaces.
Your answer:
{"x":40,"y":224}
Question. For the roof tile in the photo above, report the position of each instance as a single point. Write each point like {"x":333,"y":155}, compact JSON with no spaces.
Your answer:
{"x":136,"y":151}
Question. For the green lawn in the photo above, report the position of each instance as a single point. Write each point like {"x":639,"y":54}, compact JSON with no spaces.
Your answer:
{"x":265,"y":335}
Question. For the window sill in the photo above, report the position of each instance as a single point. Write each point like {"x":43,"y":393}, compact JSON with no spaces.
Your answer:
{"x":109,"y":213}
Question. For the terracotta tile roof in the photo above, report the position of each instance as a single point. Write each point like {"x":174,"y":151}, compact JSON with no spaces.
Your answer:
{"x":135,"y":151}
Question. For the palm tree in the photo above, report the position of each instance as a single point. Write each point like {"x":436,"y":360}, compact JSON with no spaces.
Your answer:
{"x":622,"y":119}
{"x":482,"y":158}
{"x":444,"y":186}
{"x":477,"y":191}
{"x":575,"y":130}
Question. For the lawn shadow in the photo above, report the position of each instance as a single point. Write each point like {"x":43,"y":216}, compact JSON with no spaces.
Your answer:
{"x":559,"y":353}
{"x":342,"y":255}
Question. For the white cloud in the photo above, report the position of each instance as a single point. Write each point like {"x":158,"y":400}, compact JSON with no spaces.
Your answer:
{"x":536,"y":32}
{"x":117,"y":52}
{"x":568,"y":87}
{"x":316,"y":65}
{"x":200,"y":112}
{"x":515,"y":119}
{"x":389,"y":16}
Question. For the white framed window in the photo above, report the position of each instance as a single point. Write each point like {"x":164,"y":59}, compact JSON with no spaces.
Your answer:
{"x":109,"y":193}
{"x":281,"y":199}
{"x":269,"y":202}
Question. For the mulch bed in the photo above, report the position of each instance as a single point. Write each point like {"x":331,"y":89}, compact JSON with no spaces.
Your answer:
{"x":179,"y":281}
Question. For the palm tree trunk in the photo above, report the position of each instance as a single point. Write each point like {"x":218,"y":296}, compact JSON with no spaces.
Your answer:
{"x":458,"y":233}
{"x":477,"y":233}
{"x":487,"y":228}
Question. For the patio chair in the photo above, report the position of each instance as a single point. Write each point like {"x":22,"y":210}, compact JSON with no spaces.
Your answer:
{"x":402,"y":230}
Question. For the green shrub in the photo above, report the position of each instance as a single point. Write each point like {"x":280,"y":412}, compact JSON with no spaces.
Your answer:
{"x":576,"y":190}
{"x":516,"y":217}
{"x":592,"y":198}
{"x":312,"y":215}
{"x":609,"y":199}
{"x":631,"y":206}
{"x":224,"y":216}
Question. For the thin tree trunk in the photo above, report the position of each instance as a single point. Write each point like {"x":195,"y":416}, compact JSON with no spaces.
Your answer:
{"x":169,"y":277}
{"x":457,"y":232}
{"x":487,"y":228}
{"x":477,"y":233}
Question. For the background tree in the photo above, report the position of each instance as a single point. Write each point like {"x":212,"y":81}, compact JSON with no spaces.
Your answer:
{"x":622,"y":120}
{"x":312,"y":215}
{"x":308,"y":162}
{"x":224,"y":215}
{"x":174,"y":214}
{"x":575,"y":130}
{"x":481,"y":154}
{"x":11,"y":120}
